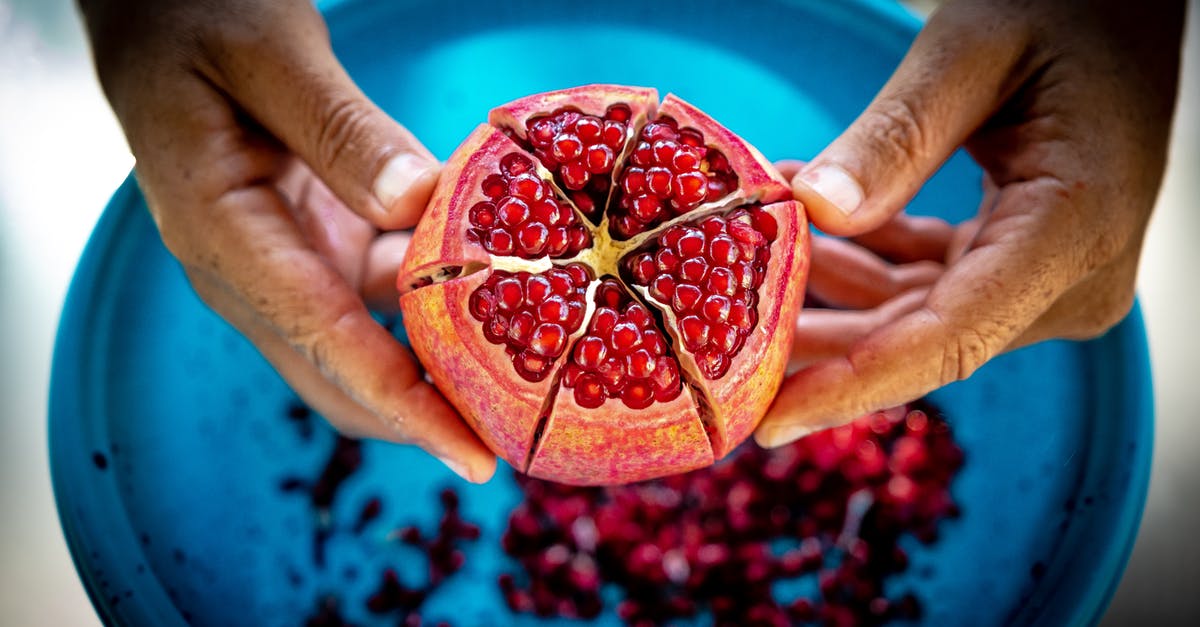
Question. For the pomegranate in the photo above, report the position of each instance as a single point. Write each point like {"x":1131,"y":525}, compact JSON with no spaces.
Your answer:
{"x":604,"y":286}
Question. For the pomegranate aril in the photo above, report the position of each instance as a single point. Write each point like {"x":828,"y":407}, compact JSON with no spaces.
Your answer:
{"x":640,"y":364}
{"x":637,"y":395}
{"x":575,"y":175}
{"x":588,"y":128}
{"x":553,"y":309}
{"x":547,"y":340}
{"x":643,"y":268}
{"x":694,"y":332}
{"x":625,"y":336}
{"x":603,"y":322}
{"x":599,"y":159}
{"x":515,"y":164}
{"x":663,"y":288}
{"x":590,"y":352}
{"x":658,"y":181}
{"x":513,"y":211}
{"x":693,"y":269}
{"x":723,"y":338}
{"x":520,"y":326}
{"x":716,"y":308}
{"x":533,"y":238}
{"x":686,"y":297}
{"x":510,"y":294}
{"x":499,"y":242}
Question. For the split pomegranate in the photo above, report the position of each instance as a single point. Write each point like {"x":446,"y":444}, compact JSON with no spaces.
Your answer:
{"x":605,"y":286}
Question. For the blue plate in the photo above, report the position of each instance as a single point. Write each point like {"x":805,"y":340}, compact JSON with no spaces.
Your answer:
{"x":169,"y":441}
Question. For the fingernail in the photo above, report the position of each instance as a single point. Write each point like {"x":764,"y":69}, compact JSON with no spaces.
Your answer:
{"x":836,"y":185}
{"x":458,"y":468}
{"x":784,"y":435}
{"x":398,"y":176}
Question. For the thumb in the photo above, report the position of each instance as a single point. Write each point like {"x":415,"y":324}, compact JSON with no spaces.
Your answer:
{"x":284,"y":74}
{"x":948,"y":84}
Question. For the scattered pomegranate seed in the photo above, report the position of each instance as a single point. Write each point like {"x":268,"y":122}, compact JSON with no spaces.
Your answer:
{"x":707,"y":541}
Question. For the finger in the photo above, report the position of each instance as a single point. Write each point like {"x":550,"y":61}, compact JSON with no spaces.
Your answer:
{"x":306,"y":304}
{"x":331,"y":229}
{"x":277,"y":64}
{"x":945,"y":87}
{"x":825,"y":333}
{"x":789,"y":167}
{"x":981,"y":305}
{"x":383,"y":264}
{"x":845,"y":275}
{"x":906,"y":238}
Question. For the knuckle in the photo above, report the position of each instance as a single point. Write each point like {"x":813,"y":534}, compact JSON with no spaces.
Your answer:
{"x":341,"y":128}
{"x":963,"y":353}
{"x":895,"y":129}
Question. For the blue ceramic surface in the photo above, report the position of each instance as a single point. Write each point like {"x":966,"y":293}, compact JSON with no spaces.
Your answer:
{"x":168,"y":434}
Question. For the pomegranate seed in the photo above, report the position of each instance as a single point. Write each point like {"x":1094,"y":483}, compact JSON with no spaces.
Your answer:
{"x":658,"y":181}
{"x":716,"y":308}
{"x":618,"y":112}
{"x":665,"y":377}
{"x":694,"y":332}
{"x":511,"y":294}
{"x":512,"y":211}
{"x":499,"y":242}
{"x":693,"y":269}
{"x":663,"y":288}
{"x":494,"y":186}
{"x":547,"y":339}
{"x":483,"y":215}
{"x":557,"y":242}
{"x":537,"y":288}
{"x":600,"y":159}
{"x":613,"y":134}
{"x":520,"y":327}
{"x":575,"y":175}
{"x":637,"y":395}
{"x":638,"y":315}
{"x":515,"y":164}
{"x":690,"y":188}
{"x":527,"y":187}
{"x":603,"y":322}
{"x":587,"y":128}
{"x":567,"y":147}
{"x":640,"y":364}
{"x":590,"y":352}
{"x":625,"y":336}
{"x":533,"y":237}
{"x":646,"y":208}
{"x":643,"y":268}
{"x":553,"y":309}
{"x":482,"y":304}
{"x":544,"y":211}
{"x":686,"y":297}
{"x":666,"y":260}
{"x":723,"y":338}
{"x":690,"y":244}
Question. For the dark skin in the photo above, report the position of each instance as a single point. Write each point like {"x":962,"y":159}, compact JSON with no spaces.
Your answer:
{"x":284,"y":192}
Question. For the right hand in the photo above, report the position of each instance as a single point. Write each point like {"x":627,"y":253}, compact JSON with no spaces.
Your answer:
{"x":275,"y":182}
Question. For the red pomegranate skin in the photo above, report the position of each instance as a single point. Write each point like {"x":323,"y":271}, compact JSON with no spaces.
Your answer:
{"x":512,"y":384}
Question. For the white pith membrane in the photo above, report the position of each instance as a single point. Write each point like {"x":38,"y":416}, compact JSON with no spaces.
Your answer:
{"x":604,"y":257}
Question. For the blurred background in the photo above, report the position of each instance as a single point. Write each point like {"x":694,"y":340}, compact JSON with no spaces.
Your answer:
{"x":62,"y":155}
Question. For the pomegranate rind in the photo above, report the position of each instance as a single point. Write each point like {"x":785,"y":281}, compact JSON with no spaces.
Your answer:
{"x":476,"y":376}
{"x":758,"y":180}
{"x":440,"y":239}
{"x":737,"y":401}
{"x":588,"y":99}
{"x":614,"y":444}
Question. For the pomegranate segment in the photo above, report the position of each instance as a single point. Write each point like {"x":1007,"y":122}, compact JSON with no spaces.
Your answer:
{"x":579,"y":134}
{"x":532,"y":315}
{"x":488,"y":202}
{"x":708,"y":274}
{"x":622,"y":356}
{"x":452,"y":344}
{"x":578,"y":380}
{"x":670,"y":172}
{"x":739,"y":398}
{"x":521,"y":216}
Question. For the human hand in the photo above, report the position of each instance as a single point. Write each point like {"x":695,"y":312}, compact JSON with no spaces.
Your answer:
{"x":1067,"y":108}
{"x":274,"y":181}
